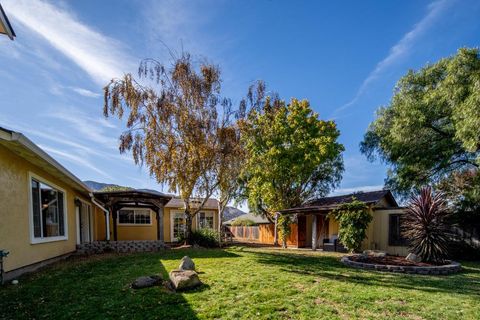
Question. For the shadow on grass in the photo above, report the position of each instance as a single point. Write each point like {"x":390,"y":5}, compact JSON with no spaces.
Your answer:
{"x":466,"y":282}
{"x":95,"y":288}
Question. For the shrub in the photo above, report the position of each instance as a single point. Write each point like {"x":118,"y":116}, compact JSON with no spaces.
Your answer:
{"x":425,"y":226}
{"x":284,"y":229}
{"x":207,"y":238}
{"x":243,"y":222}
{"x":353,"y":219}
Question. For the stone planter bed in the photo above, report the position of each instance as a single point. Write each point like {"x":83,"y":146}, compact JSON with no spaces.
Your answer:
{"x":400,"y":265}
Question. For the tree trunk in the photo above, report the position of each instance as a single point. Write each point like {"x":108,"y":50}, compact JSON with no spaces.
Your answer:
{"x":284,"y":242}
{"x":188,"y":227}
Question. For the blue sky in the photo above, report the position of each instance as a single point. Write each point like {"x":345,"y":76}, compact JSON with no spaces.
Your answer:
{"x":343,"y":56}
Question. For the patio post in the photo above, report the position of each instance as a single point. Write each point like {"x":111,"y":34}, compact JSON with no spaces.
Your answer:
{"x":275,"y":236}
{"x":314,"y":232}
{"x":160,"y":223}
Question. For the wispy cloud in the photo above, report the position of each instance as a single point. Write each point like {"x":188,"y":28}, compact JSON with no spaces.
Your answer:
{"x":85,"y":92}
{"x":401,"y":49}
{"x":77,"y":159}
{"x":95,"y":129}
{"x":101,"y":57}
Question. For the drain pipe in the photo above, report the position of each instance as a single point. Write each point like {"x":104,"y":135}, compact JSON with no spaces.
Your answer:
{"x":107,"y":215}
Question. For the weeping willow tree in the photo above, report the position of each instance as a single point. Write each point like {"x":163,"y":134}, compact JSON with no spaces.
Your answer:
{"x":175,"y":125}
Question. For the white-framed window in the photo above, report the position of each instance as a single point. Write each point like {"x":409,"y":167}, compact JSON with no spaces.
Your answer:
{"x":178,"y":225}
{"x":205,"y":220}
{"x":134,"y":216}
{"x":48,"y":214}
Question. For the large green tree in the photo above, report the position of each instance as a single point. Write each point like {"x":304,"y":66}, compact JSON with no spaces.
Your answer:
{"x":291,"y":156}
{"x":431,"y":128}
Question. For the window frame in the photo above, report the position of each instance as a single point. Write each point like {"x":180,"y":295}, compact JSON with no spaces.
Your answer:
{"x":135,"y":224}
{"x":206,"y":213}
{"x":37,"y":240}
{"x":402,"y":242}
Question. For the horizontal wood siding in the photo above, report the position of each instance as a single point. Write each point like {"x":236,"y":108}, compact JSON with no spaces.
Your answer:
{"x":263,"y":233}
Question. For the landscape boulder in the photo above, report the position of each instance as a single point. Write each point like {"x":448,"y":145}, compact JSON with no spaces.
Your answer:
{"x":145,"y":282}
{"x":413,"y":257}
{"x":184,"y":279}
{"x":187,"y":264}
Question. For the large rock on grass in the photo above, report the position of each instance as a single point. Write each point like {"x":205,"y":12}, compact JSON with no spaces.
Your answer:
{"x":184,"y":279}
{"x":145,"y":282}
{"x":187,"y":264}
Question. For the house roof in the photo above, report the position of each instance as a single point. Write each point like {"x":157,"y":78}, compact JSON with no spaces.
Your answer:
{"x":25,"y":148}
{"x":5,"y":26}
{"x":248,"y":216}
{"x":329,"y":203}
{"x":178,"y":203}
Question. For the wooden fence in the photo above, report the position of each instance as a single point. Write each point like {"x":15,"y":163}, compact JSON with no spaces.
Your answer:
{"x":262,"y":233}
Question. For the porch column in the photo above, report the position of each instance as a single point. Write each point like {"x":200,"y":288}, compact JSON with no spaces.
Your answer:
{"x":314,"y":232}
{"x":275,"y":236}
{"x":107,"y":225}
{"x":114,"y":217}
{"x":160,"y":223}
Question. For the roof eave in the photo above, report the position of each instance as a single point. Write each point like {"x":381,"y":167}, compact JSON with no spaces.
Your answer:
{"x":27,"y":143}
{"x":6,"y":24}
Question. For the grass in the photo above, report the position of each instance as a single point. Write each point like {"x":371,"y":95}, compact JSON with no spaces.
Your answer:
{"x":240,"y":283}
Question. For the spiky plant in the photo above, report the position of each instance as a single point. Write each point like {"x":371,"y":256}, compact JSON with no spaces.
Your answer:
{"x":425,"y":226}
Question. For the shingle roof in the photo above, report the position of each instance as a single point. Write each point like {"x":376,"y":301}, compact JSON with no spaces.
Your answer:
{"x":328,"y":203}
{"x":178,"y":203}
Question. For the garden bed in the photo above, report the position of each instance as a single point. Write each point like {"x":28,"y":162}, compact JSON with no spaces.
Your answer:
{"x":400,"y":265}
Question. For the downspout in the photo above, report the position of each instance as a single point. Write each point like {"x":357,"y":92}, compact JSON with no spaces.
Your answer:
{"x":107,"y":215}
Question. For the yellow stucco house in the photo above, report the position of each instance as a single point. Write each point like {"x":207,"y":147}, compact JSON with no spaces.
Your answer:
{"x":47,"y":212}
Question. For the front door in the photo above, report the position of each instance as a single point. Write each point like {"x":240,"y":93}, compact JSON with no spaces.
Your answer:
{"x":84,"y":223}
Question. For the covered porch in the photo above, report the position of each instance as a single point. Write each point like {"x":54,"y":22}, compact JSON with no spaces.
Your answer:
{"x":314,"y":229}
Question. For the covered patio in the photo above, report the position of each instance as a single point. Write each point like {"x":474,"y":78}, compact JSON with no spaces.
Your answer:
{"x":112,"y":202}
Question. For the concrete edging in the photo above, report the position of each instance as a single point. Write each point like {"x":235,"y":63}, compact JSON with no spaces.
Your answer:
{"x":451,"y":267}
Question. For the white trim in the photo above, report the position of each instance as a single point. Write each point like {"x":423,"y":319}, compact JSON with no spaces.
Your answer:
{"x":197,"y":216}
{"x":34,"y":240}
{"x":172,"y":215}
{"x":77,"y":221}
{"x":134,"y":224}
{"x":78,"y":212}
{"x":29,"y":145}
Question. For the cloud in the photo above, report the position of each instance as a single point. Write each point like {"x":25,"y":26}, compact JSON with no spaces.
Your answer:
{"x":86,"y":92}
{"x":400,"y":49}
{"x":101,"y":57}
{"x":95,"y":129}
{"x":77,"y":159}
{"x":343,"y":191}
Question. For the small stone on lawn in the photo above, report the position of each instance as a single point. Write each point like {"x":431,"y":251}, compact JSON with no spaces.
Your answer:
{"x":146,"y":282}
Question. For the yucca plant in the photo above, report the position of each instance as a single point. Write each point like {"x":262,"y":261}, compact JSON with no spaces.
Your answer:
{"x":425,"y":226}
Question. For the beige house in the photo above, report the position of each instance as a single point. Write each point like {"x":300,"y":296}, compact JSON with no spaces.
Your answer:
{"x":47,"y":212}
{"x":314,"y":229}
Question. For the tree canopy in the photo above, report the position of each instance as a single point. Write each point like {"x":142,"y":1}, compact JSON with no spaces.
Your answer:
{"x":291,"y":156}
{"x":176,"y":125}
{"x":431,"y":128}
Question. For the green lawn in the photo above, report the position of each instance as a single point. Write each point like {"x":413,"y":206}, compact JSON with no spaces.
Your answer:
{"x":240,"y":283}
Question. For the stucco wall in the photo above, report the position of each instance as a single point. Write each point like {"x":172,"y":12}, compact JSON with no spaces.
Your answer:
{"x":15,"y":211}
{"x":148,"y":232}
